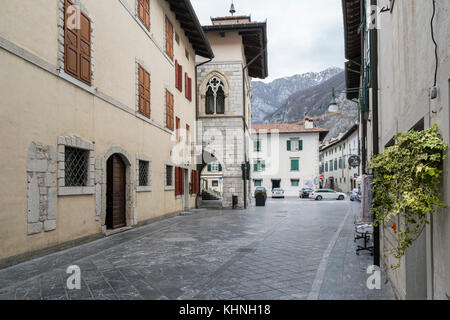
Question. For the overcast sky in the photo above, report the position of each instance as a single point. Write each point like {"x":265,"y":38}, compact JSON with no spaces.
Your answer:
{"x":303,"y":35}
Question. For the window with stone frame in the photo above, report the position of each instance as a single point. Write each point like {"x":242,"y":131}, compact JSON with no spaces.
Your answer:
{"x":295,"y":182}
{"x":258,"y":183}
{"x":75,"y":166}
{"x":215,"y":97}
{"x":76,"y":163}
{"x":143,"y":173}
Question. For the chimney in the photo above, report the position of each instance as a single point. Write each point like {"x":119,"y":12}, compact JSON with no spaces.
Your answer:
{"x":309,"y":123}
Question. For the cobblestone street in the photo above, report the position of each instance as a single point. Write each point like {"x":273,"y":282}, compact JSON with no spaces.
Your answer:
{"x":290,"y":249}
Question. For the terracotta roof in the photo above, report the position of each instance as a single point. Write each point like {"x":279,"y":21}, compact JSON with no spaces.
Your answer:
{"x":285,"y":128}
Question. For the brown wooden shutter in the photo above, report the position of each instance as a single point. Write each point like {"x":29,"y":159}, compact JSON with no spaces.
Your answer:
{"x":77,"y":51}
{"x":186,"y":86}
{"x":177,"y":178}
{"x":176,"y":74}
{"x":144,"y":92}
{"x":180,"y":78}
{"x":182,"y":181}
{"x":169,"y":38}
{"x":190,"y":89}
{"x":188,"y":130}
{"x":177,"y":132}
{"x":169,"y":110}
{"x":144,"y":12}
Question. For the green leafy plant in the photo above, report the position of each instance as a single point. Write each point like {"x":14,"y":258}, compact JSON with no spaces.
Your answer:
{"x":406,"y":184}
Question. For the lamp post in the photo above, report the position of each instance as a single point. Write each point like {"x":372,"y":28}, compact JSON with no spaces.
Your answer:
{"x":333,"y":104}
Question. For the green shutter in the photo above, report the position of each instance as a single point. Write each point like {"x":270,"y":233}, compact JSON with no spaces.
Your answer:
{"x":209,"y":167}
{"x":255,"y":166}
{"x":294,"y":165}
{"x":289,"y":145}
{"x":258,"y":145}
{"x":340,"y":163}
{"x":300,"y":145}
{"x":263,"y":165}
{"x":220,"y":167}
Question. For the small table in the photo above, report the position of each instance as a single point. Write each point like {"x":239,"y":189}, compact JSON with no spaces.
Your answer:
{"x":364,"y":232}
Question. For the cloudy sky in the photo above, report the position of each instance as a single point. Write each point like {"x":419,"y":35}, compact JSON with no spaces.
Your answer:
{"x":303,"y":35}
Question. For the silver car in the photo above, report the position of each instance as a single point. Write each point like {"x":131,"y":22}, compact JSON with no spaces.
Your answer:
{"x":327,"y":194}
{"x":277,"y":193}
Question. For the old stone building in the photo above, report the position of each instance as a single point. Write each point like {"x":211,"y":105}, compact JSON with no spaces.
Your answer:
{"x":398,"y":67}
{"x":224,"y":106}
{"x":98,"y":118}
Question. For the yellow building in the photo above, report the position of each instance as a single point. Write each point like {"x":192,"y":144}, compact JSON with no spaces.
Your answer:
{"x":91,"y":100}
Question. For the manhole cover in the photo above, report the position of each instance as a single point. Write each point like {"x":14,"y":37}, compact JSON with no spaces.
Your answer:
{"x":246,"y":250}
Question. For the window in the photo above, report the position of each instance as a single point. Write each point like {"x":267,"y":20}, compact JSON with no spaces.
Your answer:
{"x":214,"y":167}
{"x":188,"y":134}
{"x":215,"y":183}
{"x":169,"y":38}
{"x":77,"y":45}
{"x":143,"y":173}
{"x":331,"y":165}
{"x":144,"y":12}
{"x":258,"y":183}
{"x":335,"y":164}
{"x":294,"y":145}
{"x":169,"y":111}
{"x":178,"y":76}
{"x":169,"y":176}
{"x":259,"y":165}
{"x":144,"y":92}
{"x":295,"y":164}
{"x":215,"y":97}
{"x":257,"y":146}
{"x":76,"y":167}
{"x":340,"y":163}
{"x":179,"y":181}
{"x":188,"y":87}
{"x":326,"y":167}
{"x":177,"y":131}
{"x":295,"y":183}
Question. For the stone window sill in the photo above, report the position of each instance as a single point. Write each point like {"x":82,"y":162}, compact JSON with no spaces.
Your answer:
{"x":169,"y":188}
{"x":73,"y":191}
{"x":144,"y":189}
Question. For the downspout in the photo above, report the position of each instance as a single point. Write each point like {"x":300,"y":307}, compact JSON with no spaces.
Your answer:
{"x":375,"y":134}
{"x":244,"y":117}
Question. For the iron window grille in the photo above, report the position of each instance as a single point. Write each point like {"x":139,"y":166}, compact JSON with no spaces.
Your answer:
{"x":143,"y":173}
{"x":76,"y":167}
{"x":169,"y":176}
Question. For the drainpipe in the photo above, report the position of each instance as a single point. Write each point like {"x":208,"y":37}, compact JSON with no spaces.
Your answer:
{"x":244,"y":117}
{"x":375,"y":133}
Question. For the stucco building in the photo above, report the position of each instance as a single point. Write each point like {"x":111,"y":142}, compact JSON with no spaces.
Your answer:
{"x":224,"y":106}
{"x":98,"y":118}
{"x":286,"y":156}
{"x":399,"y":62}
{"x":335,"y":171}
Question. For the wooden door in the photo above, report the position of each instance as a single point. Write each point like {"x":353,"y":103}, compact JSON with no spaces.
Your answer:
{"x":115,"y":193}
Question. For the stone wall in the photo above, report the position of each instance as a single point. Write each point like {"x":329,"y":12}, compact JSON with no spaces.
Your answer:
{"x":41,"y":188}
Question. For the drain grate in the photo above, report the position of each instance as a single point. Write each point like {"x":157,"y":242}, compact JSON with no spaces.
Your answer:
{"x":246,"y":250}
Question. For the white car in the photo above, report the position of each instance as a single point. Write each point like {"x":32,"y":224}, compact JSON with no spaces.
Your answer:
{"x":321,"y":194}
{"x":277,"y":193}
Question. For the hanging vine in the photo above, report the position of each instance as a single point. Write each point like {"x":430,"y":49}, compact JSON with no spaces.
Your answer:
{"x":406,"y":184}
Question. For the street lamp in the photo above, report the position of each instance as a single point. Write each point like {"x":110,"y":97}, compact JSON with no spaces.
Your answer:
{"x":333,"y":104}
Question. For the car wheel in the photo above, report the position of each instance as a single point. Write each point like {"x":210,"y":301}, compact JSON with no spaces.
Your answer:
{"x":319,"y":198}
{"x":341,"y":197}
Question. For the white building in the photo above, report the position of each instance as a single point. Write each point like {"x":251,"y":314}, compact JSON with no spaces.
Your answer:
{"x":335,"y":171}
{"x":286,"y":156}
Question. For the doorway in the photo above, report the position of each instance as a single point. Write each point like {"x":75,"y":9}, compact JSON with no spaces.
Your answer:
{"x":276,"y":184}
{"x":115,"y":193}
{"x":186,"y":190}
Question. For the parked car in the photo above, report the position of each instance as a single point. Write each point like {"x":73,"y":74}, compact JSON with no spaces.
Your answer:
{"x":304,"y":192}
{"x":261,"y":190}
{"x":321,"y":194}
{"x":355,"y":195}
{"x":277,"y":193}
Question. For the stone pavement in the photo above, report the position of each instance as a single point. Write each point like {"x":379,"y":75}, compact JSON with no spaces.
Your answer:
{"x":290,"y":249}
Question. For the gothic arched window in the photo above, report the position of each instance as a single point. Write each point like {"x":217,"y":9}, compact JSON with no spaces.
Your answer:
{"x":215,"y":97}
{"x":209,"y":101}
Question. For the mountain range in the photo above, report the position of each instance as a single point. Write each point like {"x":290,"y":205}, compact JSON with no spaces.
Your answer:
{"x":290,"y":99}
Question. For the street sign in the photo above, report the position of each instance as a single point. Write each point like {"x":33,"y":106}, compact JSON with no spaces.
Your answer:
{"x":354,"y":161}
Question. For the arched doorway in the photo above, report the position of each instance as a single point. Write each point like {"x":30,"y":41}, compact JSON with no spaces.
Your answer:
{"x":115,"y":192}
